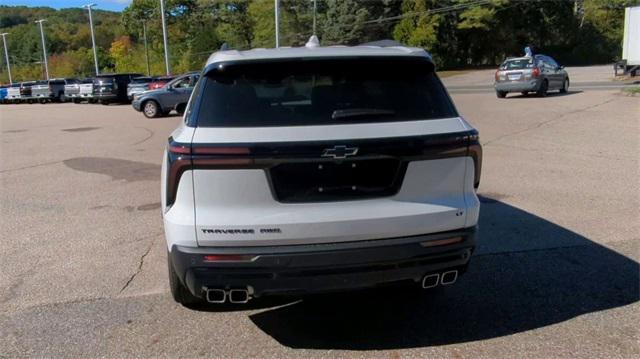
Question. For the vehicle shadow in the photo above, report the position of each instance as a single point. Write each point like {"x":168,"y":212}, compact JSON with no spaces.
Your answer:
{"x":527,"y":273}
{"x":550,"y":94}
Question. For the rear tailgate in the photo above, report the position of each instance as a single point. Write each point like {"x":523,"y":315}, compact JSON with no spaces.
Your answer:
{"x":403,"y":181}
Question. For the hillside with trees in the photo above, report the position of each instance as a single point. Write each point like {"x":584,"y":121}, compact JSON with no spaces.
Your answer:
{"x":459,"y":33}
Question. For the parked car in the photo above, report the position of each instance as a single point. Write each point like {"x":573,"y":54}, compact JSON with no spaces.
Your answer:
{"x":13,"y":93}
{"x":25,"y":91}
{"x":138,"y":85}
{"x":3,"y":94}
{"x":109,"y":88}
{"x":49,"y":90}
{"x":173,"y":96}
{"x":159,"y":82}
{"x":538,"y":74}
{"x":85,"y":91}
{"x":71,"y":90}
{"x":306,"y":170}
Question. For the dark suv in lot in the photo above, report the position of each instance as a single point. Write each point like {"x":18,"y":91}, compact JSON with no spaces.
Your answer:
{"x":173,"y":96}
{"x":110,"y":88}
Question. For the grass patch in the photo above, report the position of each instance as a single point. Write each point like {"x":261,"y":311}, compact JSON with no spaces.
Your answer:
{"x":632,"y":90}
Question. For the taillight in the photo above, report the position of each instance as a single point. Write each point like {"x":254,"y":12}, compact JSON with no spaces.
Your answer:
{"x":497,"y":76}
{"x":535,"y":72}
{"x":182,"y":157}
{"x":475,"y":152}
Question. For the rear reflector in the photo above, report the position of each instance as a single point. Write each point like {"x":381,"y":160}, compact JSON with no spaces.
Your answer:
{"x":227,"y":258}
{"x":441,"y":242}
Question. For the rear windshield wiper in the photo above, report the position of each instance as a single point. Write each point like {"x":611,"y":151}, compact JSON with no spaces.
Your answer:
{"x":355,"y":112}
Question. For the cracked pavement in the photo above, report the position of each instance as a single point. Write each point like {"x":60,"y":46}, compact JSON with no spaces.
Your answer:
{"x":556,"y":273}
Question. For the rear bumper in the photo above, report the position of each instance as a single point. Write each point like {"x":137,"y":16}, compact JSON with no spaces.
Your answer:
{"x":531,"y":85}
{"x":298,"y":269}
{"x":136,"y":105}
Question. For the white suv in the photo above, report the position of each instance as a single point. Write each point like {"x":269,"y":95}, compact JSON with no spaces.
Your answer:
{"x":313,"y":169}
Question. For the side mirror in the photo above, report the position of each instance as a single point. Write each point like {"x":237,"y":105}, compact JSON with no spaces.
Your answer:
{"x":560,"y":67}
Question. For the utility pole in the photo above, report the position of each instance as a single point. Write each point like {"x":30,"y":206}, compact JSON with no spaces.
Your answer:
{"x":315,"y":9}
{"x":164,"y":37}
{"x":44,"y":48}
{"x":93,"y":38}
{"x":6,"y":55}
{"x":146,"y":49}
{"x":277,"y":23}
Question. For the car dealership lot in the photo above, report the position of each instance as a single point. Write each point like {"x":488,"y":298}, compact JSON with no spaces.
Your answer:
{"x":556,"y":272}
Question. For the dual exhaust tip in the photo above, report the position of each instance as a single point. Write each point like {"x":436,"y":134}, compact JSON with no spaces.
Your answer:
{"x":235,"y":296}
{"x":242,"y":295}
{"x":435,"y":279}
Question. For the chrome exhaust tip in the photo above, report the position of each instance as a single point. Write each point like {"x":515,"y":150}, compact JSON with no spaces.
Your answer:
{"x":217,"y":296}
{"x":239,"y":296}
{"x":430,"y":280}
{"x":449,"y":277}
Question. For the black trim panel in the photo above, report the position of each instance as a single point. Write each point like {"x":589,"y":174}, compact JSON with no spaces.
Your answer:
{"x":323,"y":267}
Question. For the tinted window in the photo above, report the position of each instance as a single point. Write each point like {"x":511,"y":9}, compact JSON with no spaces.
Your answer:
{"x":517,"y":64}
{"x":141,"y":80}
{"x":320,"y":92}
{"x":103,"y":80}
{"x":551,"y":62}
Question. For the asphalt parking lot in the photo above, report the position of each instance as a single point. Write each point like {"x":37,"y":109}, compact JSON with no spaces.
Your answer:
{"x":556,"y":274}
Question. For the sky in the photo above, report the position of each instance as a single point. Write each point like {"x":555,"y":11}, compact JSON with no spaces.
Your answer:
{"x":113,"y":5}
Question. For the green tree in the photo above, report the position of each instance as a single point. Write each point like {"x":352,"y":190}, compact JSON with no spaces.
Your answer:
{"x":418,"y":27}
{"x":344,"y":22}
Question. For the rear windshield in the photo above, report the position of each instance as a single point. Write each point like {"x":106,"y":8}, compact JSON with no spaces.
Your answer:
{"x":519,"y":64}
{"x":141,"y":80}
{"x":321,"y":92}
{"x":103,"y":80}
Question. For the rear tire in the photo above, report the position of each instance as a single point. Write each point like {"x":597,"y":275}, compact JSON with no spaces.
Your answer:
{"x":180,"y":109}
{"x":179,"y":292}
{"x":501,"y":94}
{"x":544,"y":87}
{"x":525,"y":93}
{"x":151,"y":109}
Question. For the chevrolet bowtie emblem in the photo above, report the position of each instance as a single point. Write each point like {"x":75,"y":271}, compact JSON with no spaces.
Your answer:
{"x":340,"y":152}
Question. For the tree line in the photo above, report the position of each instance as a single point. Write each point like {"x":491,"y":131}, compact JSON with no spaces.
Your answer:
{"x":458,"y":33}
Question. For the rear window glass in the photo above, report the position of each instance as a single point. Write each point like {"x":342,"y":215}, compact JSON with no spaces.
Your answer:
{"x":519,"y":64}
{"x":321,"y":92}
{"x":104,"y":80}
{"x":141,"y":80}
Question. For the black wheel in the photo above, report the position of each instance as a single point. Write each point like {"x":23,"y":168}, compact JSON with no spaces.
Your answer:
{"x":565,"y":86}
{"x":180,"y":109}
{"x":501,"y":94}
{"x":524,"y":93}
{"x":151,"y":109}
{"x":178,"y":291}
{"x":106,"y":103}
{"x":544,"y":87}
{"x":76,"y":100}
